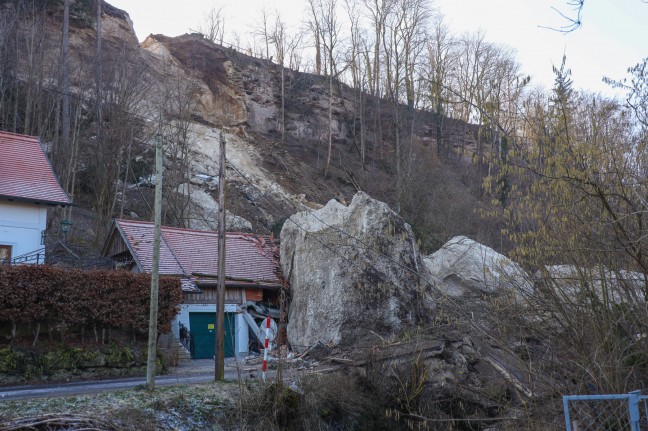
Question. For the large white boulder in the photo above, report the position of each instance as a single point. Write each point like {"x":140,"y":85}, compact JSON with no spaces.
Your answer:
{"x":463,"y":267}
{"x":570,"y":283}
{"x":353,"y":273}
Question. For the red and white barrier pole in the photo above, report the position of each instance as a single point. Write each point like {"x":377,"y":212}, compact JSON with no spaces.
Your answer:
{"x":266,"y":348}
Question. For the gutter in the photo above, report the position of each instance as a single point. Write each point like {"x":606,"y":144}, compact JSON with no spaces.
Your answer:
{"x":36,"y":201}
{"x":214,"y":283}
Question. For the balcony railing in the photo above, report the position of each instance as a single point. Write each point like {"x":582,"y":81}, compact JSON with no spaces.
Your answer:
{"x":33,"y":257}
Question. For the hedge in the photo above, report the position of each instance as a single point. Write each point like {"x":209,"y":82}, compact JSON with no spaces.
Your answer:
{"x":64,"y":298}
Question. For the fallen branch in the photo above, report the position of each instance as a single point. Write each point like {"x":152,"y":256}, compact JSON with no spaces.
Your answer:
{"x":60,"y":422}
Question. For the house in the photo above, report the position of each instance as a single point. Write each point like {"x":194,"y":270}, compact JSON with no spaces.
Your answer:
{"x":28,"y":187}
{"x":252,"y":277}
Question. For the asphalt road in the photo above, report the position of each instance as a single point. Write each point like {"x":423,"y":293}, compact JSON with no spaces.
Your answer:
{"x":81,"y":388}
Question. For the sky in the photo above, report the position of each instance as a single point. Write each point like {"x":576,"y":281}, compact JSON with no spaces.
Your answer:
{"x":613,"y":35}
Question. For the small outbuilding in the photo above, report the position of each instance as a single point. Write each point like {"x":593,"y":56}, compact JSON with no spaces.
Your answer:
{"x":253,"y":279}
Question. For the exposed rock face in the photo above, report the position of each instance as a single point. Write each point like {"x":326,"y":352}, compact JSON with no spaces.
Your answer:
{"x":463,"y":267}
{"x":218,"y":101}
{"x":204,"y":212}
{"x":347,"y":268}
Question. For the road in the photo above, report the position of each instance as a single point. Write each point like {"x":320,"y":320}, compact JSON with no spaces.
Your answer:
{"x":80,"y":388}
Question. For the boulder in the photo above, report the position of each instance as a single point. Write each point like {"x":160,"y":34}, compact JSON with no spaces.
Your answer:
{"x":580,"y":284}
{"x":354,"y":274}
{"x":464,"y":268}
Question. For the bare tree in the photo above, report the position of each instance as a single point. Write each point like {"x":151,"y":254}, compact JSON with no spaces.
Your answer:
{"x":356,"y":61}
{"x":294,"y":50}
{"x":37,"y":62}
{"x":378,"y":12}
{"x":408,"y":39}
{"x":124,"y":85}
{"x":636,"y":89}
{"x":441,"y":58}
{"x":279,"y":41}
{"x":181,"y":96}
{"x":262,"y":29}
{"x":213,"y":25}
{"x":65,"y":90}
{"x":315,"y":27}
{"x":416,"y":15}
{"x":325,"y":13}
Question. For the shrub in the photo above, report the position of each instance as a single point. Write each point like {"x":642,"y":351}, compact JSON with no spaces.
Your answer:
{"x":68,"y":298}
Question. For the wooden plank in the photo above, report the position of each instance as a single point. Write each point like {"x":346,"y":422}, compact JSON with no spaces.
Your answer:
{"x":208,"y":296}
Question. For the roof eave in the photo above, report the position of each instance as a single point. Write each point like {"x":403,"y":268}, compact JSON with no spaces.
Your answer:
{"x":128,"y":245}
{"x":35,"y":201}
{"x":239,"y":285}
{"x":56,"y":178}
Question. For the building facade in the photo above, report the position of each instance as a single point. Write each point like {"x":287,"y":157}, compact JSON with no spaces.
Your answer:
{"x":28,"y":188}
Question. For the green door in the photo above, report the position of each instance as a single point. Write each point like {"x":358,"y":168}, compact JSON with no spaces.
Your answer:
{"x":203,"y":329}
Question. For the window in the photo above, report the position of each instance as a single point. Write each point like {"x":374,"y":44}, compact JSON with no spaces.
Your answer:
{"x":5,"y":253}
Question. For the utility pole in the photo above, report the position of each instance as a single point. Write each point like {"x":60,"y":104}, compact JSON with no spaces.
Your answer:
{"x":155,"y":270}
{"x":219,"y":346}
{"x":98,"y":71}
{"x":65,"y":97}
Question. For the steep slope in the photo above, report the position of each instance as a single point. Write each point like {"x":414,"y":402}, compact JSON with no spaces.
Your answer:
{"x":189,"y":91}
{"x":243,"y":95}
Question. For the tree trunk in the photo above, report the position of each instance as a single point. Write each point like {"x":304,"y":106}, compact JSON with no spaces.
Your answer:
{"x":318,"y":53}
{"x":283,"y":102}
{"x":363,"y":147}
{"x":330,"y":118}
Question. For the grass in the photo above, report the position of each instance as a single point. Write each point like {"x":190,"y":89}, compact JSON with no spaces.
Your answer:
{"x":181,"y":407}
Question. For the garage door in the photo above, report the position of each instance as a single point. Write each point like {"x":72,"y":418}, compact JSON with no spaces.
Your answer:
{"x":203,"y":329}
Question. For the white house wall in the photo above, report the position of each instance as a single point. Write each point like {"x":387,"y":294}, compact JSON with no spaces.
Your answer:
{"x":21,"y":225}
{"x":241,"y":338}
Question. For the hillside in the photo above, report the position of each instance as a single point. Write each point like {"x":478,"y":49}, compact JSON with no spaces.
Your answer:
{"x":243,"y":95}
{"x":472,"y":247}
{"x":189,"y":90}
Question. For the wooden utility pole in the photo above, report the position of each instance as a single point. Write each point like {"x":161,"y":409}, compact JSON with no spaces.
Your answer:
{"x":98,"y":70}
{"x":219,"y":346}
{"x":65,"y":150}
{"x":155,"y":270}
{"x":65,"y":96}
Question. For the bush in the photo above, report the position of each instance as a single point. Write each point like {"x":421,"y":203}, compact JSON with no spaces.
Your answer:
{"x":318,"y":401}
{"x":72,"y":298}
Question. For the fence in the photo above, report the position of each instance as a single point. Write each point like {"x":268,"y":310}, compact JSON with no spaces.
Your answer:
{"x":34,"y":257}
{"x":606,"y":412}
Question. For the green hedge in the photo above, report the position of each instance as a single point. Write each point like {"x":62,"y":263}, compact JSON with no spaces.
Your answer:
{"x":18,"y":363}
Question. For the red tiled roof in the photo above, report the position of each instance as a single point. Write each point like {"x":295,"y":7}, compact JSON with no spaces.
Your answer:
{"x":188,"y":252}
{"x":25,"y":172}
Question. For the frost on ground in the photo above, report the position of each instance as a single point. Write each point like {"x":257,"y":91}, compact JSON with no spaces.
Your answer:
{"x":186,"y":407}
